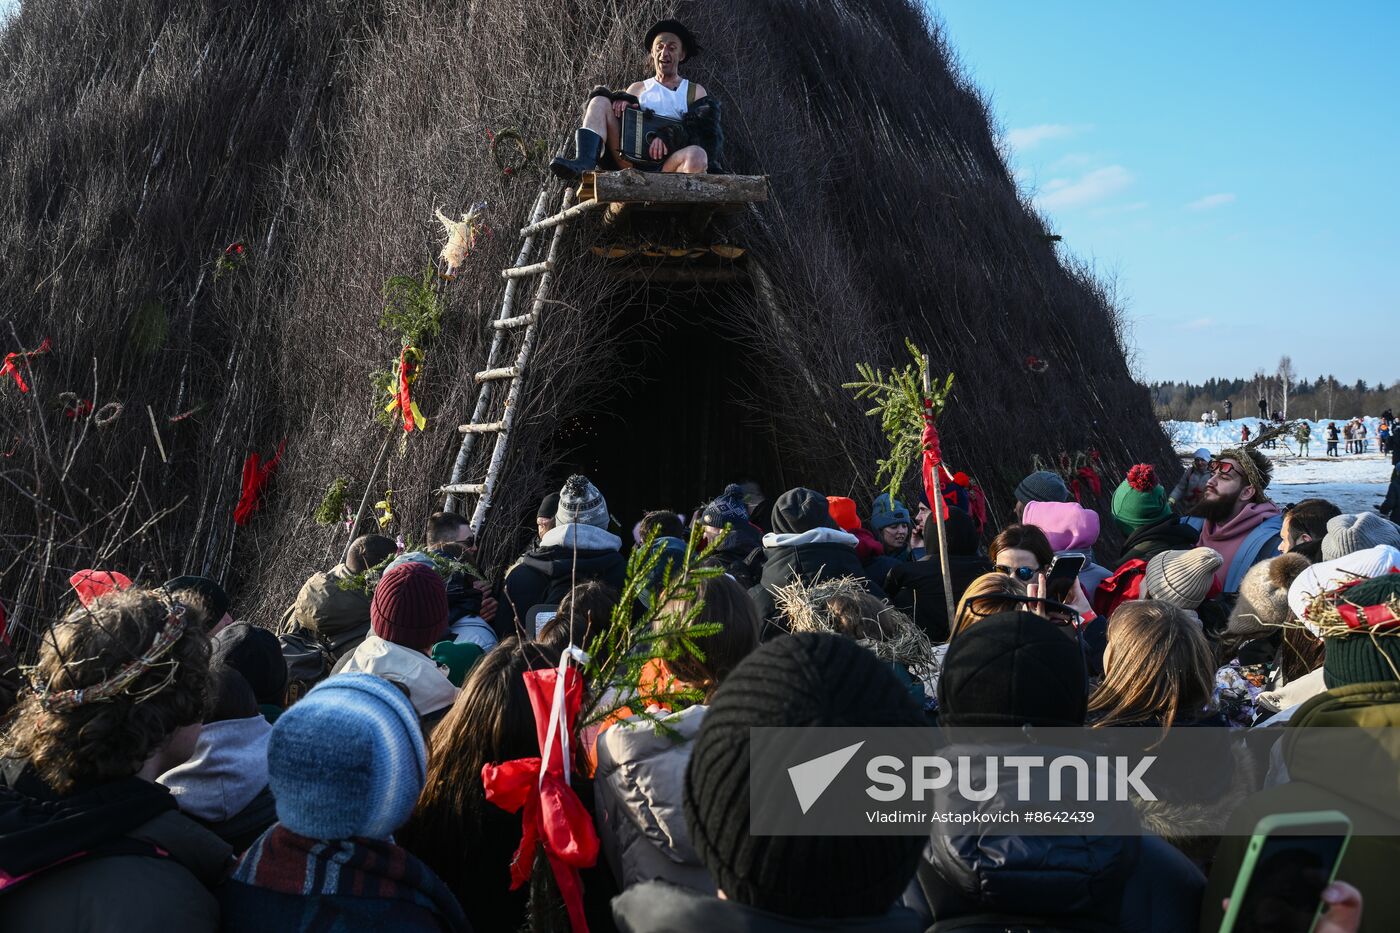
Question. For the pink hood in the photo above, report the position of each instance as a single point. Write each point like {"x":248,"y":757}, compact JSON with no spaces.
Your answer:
{"x":1226,"y":537}
{"x":1068,"y":525}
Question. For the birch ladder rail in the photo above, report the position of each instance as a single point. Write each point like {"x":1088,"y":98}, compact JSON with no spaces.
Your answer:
{"x":498,"y":398}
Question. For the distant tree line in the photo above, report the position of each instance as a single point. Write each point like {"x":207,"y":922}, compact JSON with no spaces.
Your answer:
{"x":1325,"y":397}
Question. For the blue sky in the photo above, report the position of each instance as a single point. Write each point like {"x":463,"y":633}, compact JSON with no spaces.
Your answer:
{"x":1235,"y":166}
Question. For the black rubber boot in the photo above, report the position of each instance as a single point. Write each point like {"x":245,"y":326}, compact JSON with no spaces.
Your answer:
{"x":588,"y":146}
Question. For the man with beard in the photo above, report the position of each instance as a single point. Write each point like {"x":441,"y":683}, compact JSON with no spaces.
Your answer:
{"x":1241,"y":524}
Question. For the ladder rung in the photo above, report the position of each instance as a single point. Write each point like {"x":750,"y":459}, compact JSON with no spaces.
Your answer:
{"x":520,"y":272}
{"x":504,"y":372}
{"x":464,"y":489}
{"x":489,"y":428}
{"x":520,"y":320}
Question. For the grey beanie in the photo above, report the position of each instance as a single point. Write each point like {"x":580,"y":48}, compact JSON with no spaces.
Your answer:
{"x":1181,"y":578}
{"x":1347,"y":534}
{"x":580,"y":503}
{"x":1262,"y":605}
{"x":1042,"y":486}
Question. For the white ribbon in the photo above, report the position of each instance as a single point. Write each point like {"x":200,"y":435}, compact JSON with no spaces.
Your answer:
{"x":556,"y":712}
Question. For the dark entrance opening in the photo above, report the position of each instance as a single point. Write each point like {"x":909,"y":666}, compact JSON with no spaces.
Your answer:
{"x":687,"y":414}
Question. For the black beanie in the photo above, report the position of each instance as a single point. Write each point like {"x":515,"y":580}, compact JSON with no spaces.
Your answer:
{"x":549,"y":506}
{"x":1013,"y":669}
{"x":802,"y":680}
{"x":233,"y":697}
{"x":213,"y":595}
{"x":960,"y":529}
{"x":799,"y":510}
{"x":257,"y":655}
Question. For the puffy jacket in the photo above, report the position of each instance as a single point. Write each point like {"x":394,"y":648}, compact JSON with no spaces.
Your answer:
{"x":339,"y":615}
{"x":567,"y":554}
{"x":638,"y":788}
{"x":1052,"y":882}
{"x":1169,"y":534}
{"x":657,"y":907}
{"x":821,"y":553}
{"x":916,"y":589}
{"x":116,"y":858}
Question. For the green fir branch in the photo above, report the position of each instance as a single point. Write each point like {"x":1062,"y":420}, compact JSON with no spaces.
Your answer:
{"x":332,"y":508}
{"x":619,"y":653}
{"x":366,"y":580}
{"x":898,"y":398}
{"x":412,"y":308}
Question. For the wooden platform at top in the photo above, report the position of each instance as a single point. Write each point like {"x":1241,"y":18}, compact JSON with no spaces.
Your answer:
{"x":664,"y":189}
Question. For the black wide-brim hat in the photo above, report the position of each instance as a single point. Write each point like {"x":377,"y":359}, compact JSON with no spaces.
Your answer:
{"x":677,"y":29}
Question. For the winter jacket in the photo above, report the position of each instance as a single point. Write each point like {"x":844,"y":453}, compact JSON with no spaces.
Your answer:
{"x":566,"y":555}
{"x":339,"y":615}
{"x":699,"y":127}
{"x":916,"y":589}
{"x":638,"y":790}
{"x":1050,"y":882}
{"x":1237,"y":538}
{"x":1189,"y":489}
{"x":224,"y":784}
{"x":115,"y":858}
{"x":1315,"y":784}
{"x":428,"y":687}
{"x":868,"y":547}
{"x":821,"y":553}
{"x":1169,"y":534}
{"x":736,"y":554}
{"x":657,"y":907}
{"x":1390,"y":506}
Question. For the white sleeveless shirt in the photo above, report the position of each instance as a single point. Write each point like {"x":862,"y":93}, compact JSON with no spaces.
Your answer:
{"x":665,"y":102}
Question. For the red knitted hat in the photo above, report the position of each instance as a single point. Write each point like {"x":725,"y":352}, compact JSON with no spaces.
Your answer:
{"x":410,"y":606}
{"x":843,"y":512}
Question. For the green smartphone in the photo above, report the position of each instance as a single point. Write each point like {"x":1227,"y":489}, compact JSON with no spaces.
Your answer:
{"x":1290,"y":859}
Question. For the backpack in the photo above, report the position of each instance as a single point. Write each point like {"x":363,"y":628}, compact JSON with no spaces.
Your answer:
{"x":309,"y":658}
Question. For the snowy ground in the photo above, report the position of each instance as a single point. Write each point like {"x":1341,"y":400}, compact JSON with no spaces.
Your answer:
{"x":1355,"y":482}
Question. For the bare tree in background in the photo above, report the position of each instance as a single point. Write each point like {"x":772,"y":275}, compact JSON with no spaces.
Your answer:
{"x":1286,"y":376}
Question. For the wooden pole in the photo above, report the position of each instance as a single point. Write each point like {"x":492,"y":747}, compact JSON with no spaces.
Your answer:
{"x":369,"y":486}
{"x":937,"y":506}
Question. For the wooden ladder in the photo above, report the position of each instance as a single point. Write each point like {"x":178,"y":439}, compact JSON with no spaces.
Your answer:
{"x":498,"y":399}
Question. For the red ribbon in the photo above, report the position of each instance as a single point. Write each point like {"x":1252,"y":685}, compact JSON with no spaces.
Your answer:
{"x":406,"y":368}
{"x":550,"y":812}
{"x":255,"y":477}
{"x":1373,"y":617}
{"x":12,"y":360}
{"x":933,"y":459}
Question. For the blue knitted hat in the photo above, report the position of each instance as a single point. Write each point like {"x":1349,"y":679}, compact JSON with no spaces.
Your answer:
{"x":885,"y":512}
{"x":348,"y":760}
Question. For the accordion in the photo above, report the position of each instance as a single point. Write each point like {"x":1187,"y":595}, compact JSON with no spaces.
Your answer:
{"x":639,"y":128}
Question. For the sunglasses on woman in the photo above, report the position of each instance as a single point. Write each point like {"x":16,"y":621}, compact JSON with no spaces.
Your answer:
{"x":1024,"y":574}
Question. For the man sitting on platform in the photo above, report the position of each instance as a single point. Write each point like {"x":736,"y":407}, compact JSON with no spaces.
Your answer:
{"x":689,"y":139}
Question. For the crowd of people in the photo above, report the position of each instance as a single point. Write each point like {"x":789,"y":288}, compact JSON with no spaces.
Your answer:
{"x":387,"y":754}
